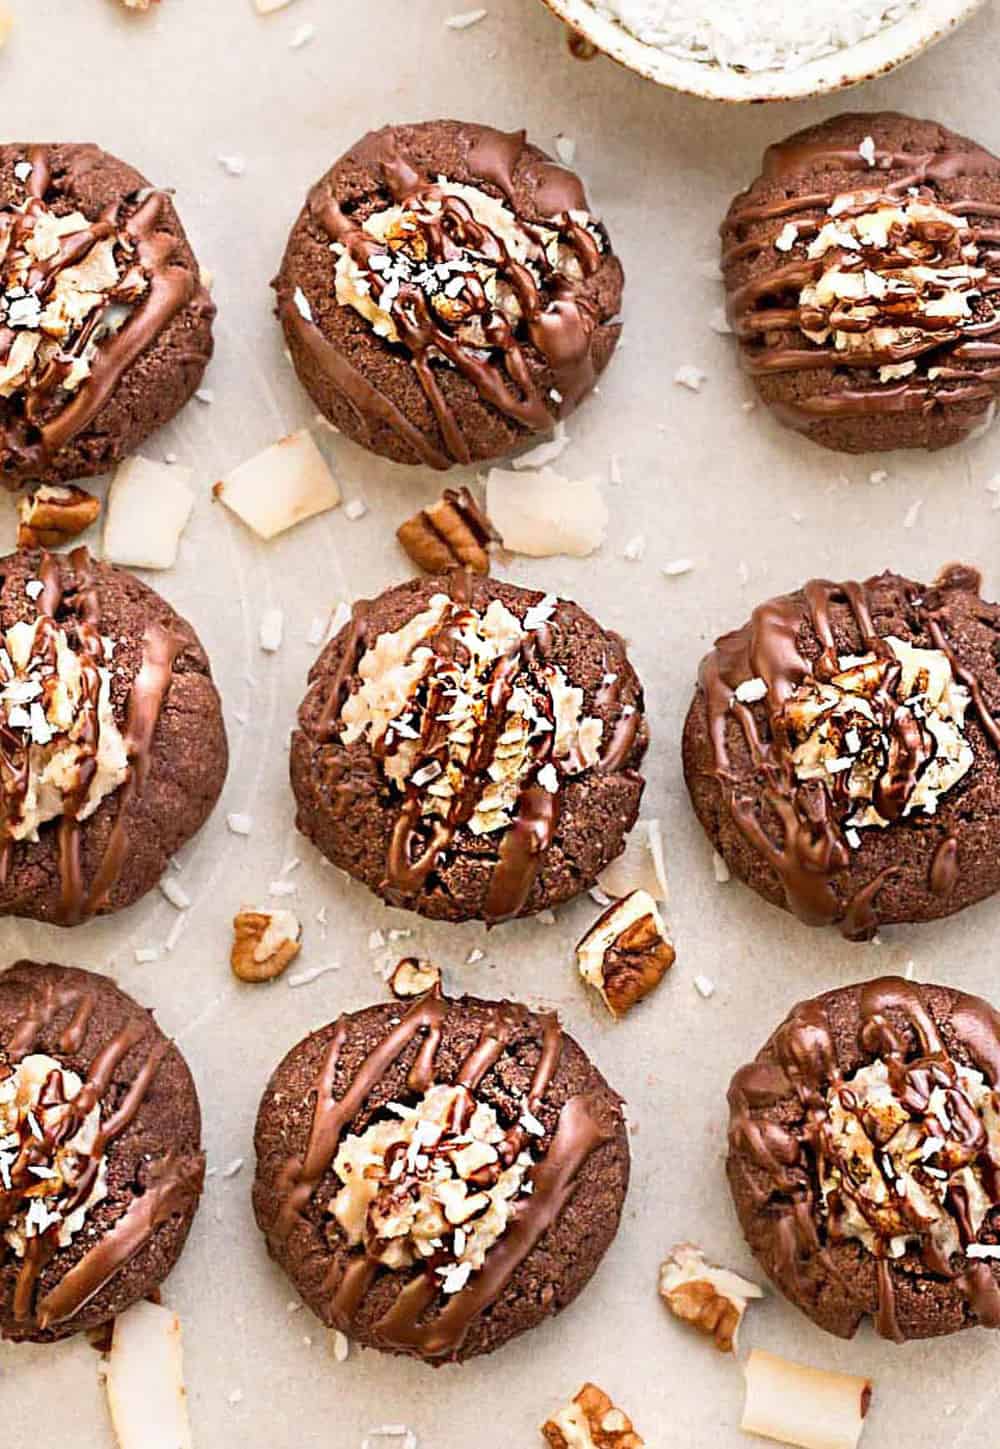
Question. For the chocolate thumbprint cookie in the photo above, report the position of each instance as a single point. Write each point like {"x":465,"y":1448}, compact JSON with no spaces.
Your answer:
{"x":105,"y":326}
{"x":438,"y":1181}
{"x":446,"y":293}
{"x":112,"y":746}
{"x":843,"y":750}
{"x":864,"y":1145}
{"x":470,"y":749}
{"x":863,"y":280}
{"x":101,"y":1165}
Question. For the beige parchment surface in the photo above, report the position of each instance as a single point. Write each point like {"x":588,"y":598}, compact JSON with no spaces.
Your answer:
{"x":700,"y":478}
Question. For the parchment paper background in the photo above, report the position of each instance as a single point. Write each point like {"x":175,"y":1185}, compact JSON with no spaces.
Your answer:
{"x":702,"y":478}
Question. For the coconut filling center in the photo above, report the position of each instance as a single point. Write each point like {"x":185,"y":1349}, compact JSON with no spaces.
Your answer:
{"x":900,"y":278}
{"x":54,"y":315}
{"x":463,"y":288}
{"x":41,"y":1168}
{"x":885,"y":734}
{"x":436,"y":677}
{"x":61,"y":751}
{"x":436,"y":1184}
{"x":909,"y":1156}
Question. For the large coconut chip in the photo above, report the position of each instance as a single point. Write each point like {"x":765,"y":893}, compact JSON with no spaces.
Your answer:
{"x":149,"y":505}
{"x":813,"y":1408}
{"x":542,"y":514}
{"x":145,"y":1380}
{"x":280,"y":487}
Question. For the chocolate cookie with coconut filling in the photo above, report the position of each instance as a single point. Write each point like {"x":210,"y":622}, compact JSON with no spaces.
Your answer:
{"x":438,"y":1181}
{"x":843,"y":750}
{"x":105,"y":326}
{"x":112,"y":746}
{"x":863,"y":280}
{"x":446,"y":293}
{"x":101,"y":1165}
{"x":864,"y":1159}
{"x":470,"y":749}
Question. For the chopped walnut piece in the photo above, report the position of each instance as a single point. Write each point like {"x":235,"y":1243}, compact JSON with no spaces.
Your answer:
{"x":264,"y":942}
{"x":711,"y":1298}
{"x":591,"y":1421}
{"x":453,"y":531}
{"x":53,"y":514}
{"x":413,"y":978}
{"x":626,"y":953}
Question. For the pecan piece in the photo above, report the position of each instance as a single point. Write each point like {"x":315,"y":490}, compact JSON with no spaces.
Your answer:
{"x":626,"y":953}
{"x":53,"y":514}
{"x":453,"y":532}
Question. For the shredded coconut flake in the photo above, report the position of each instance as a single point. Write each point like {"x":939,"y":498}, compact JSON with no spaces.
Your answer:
{"x":311,"y":973}
{"x":543,"y":453}
{"x":466,"y":18}
{"x":676,"y":567}
{"x":175,"y":893}
{"x":690,"y":377}
{"x":272,"y":626}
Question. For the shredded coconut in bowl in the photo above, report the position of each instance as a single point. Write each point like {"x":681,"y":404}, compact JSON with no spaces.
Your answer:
{"x":755,"y":35}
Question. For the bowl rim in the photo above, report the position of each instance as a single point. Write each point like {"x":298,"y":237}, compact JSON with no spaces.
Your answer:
{"x":882,"y":52}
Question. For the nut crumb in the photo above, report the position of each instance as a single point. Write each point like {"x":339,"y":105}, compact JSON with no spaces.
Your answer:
{"x":711,"y":1298}
{"x":452,"y":532}
{"x":591,"y":1421}
{"x":626,"y":953}
{"x":413,"y":977}
{"x":53,"y":514}
{"x":264,"y":942}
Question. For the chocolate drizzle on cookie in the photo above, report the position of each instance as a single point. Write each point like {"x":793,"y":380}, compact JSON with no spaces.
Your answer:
{"x":68,"y":619}
{"x":477,"y":743}
{"x":785,"y":666}
{"x":61,"y":366}
{"x":452,"y":293}
{"x":411,"y":1324}
{"x":833,"y":1172}
{"x":890,"y":285}
{"x":173,"y":1182}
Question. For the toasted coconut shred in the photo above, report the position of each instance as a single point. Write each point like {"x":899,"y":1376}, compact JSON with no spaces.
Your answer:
{"x":755,"y":35}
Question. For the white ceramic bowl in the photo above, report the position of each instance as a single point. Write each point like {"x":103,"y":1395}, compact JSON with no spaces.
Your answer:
{"x":881,"y":53}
